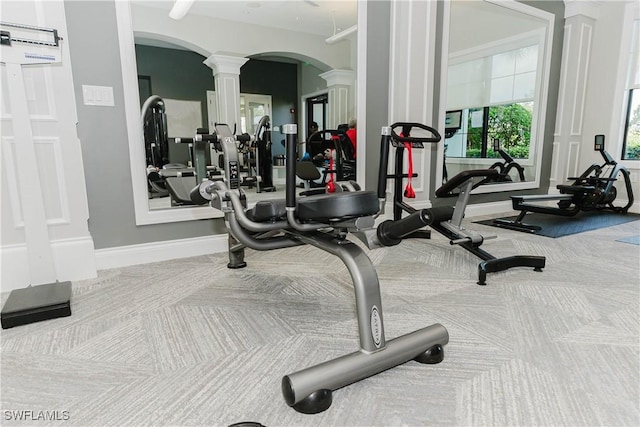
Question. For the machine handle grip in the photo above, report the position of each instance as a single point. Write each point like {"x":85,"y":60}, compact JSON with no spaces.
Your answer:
{"x":410,"y":125}
{"x":290,"y":131}
{"x":390,"y":232}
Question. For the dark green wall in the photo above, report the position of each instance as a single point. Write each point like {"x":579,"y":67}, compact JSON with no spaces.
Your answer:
{"x":176,"y":74}
{"x":278,"y":79}
{"x":179,"y":74}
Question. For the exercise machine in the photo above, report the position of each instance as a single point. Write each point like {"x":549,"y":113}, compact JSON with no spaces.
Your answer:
{"x":446,"y":220}
{"x":593,"y":190}
{"x":263,"y":159}
{"x":156,"y":144}
{"x":505,"y":166}
{"x":165,"y":178}
{"x":323,"y":221}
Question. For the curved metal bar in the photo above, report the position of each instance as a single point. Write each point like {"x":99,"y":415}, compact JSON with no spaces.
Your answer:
{"x":245,"y":222}
{"x":258,"y":244}
{"x":293,"y":222}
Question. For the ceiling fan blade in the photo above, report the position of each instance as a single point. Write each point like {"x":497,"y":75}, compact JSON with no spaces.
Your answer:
{"x":311,"y":3}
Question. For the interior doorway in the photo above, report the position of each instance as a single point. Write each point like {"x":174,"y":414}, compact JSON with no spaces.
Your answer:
{"x":316,"y":111}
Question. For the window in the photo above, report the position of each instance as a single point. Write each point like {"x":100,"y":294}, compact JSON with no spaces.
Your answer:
{"x":495,"y":91}
{"x":631,"y":142}
{"x":252,"y":108}
{"x":509,"y":123}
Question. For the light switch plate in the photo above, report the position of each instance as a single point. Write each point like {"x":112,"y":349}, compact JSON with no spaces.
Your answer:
{"x":98,"y":95}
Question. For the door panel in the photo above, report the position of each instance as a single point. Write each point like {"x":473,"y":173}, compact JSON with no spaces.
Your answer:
{"x":44,"y":201}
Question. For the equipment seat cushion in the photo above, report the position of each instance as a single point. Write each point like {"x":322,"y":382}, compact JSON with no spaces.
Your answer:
{"x":337,"y":206}
{"x":267,"y":210}
{"x":576,"y":189}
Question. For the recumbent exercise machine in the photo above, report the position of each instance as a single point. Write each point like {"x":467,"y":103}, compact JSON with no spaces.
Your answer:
{"x":590,"y":191}
{"x":323,"y":221}
{"x":446,"y":220}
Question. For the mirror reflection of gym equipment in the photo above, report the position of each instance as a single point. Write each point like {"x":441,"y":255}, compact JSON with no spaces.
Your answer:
{"x":496,"y":87}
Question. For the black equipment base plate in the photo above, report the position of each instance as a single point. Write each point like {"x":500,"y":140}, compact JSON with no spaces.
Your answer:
{"x":37,"y":303}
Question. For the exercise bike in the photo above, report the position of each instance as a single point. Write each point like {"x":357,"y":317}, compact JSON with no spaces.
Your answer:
{"x":593,"y":190}
{"x":446,"y":220}
{"x":323,"y":221}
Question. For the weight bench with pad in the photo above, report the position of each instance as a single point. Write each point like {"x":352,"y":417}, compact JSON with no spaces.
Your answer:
{"x":322,"y":221}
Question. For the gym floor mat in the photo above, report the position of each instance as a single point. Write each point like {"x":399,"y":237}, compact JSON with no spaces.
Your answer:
{"x":634,"y":240}
{"x":559,"y":226}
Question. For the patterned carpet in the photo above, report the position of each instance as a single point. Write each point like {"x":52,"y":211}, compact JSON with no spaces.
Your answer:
{"x":190,"y":342}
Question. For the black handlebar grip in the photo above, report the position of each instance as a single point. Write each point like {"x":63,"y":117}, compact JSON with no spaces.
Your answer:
{"x":290,"y":132}
{"x":183,"y":140}
{"x":390,"y":232}
{"x":410,"y":125}
{"x":384,"y":158}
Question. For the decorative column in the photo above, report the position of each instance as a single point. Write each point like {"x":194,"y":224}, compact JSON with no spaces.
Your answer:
{"x":226,"y":78}
{"x":340,"y":106}
{"x":411,"y":82}
{"x":580,"y":17}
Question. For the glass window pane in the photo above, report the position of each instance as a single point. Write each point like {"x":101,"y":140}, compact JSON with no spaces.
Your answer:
{"x":527,"y":59}
{"x":632,"y":134}
{"x":501,"y":90}
{"x":503,"y":64}
{"x":511,"y":124}
{"x":524,"y":86}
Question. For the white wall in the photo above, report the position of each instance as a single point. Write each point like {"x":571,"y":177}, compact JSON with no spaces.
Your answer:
{"x":604,"y":107}
{"x":209,"y":35}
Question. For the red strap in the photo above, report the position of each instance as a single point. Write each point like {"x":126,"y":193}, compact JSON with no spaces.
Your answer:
{"x":408,"y":190}
{"x":331,"y":186}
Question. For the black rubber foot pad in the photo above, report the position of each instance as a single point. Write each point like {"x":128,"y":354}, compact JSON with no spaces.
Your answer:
{"x":432,"y":356}
{"x":316,"y":402}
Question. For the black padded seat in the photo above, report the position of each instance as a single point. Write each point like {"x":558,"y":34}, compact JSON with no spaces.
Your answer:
{"x":447,"y":188}
{"x":337,"y":206}
{"x":267,"y":210}
{"x":576,"y":189}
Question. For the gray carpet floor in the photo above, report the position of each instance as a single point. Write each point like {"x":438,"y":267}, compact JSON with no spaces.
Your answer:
{"x":190,"y":342}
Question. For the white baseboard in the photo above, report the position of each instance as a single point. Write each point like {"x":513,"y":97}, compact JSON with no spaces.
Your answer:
{"x":74,"y":259}
{"x":123,"y":256}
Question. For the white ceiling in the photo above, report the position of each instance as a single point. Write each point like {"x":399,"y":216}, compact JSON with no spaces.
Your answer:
{"x":321,"y":17}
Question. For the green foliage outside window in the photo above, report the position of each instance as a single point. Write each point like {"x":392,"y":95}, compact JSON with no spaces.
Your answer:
{"x":511,"y":124}
{"x":632,"y":141}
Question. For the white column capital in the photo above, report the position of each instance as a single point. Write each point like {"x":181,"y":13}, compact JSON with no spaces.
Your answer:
{"x":588,"y":8}
{"x":339,"y":77}
{"x":225,"y":63}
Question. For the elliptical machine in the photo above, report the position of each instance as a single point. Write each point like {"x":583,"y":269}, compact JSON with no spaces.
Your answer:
{"x":593,"y":190}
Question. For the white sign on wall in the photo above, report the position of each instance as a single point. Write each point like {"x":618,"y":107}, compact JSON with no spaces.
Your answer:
{"x":183,"y":117}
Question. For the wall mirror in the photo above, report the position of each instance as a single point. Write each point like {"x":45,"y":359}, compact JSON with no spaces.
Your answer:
{"x":495,"y":80}
{"x":145,"y":31}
